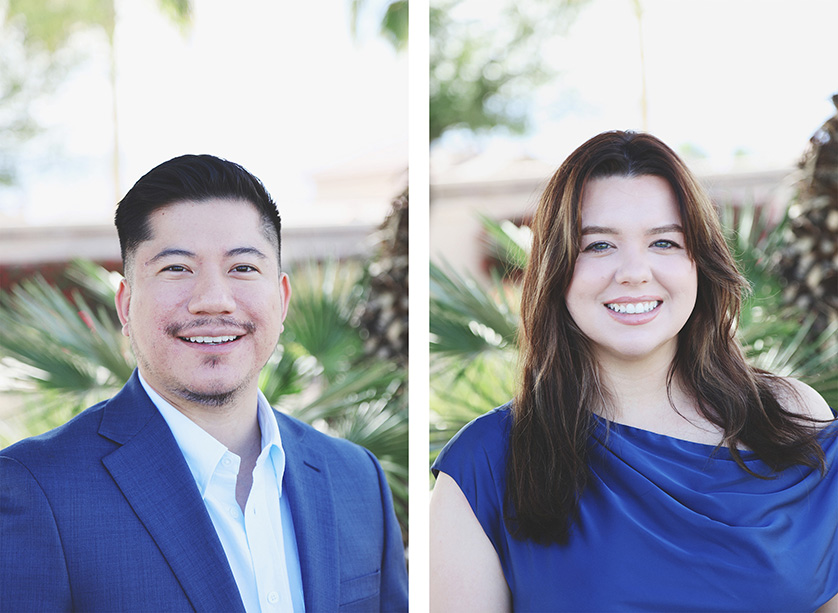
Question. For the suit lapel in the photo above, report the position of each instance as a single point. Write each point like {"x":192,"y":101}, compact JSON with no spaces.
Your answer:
{"x":155,"y":479}
{"x":307,"y":483}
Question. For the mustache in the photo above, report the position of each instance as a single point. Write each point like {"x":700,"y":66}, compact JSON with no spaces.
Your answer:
{"x":178,"y":329}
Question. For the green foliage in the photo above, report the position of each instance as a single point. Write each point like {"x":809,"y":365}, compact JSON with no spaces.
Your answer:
{"x":68,"y":352}
{"x":777,"y":337}
{"x":394,"y":26}
{"x":473,"y":349}
{"x":34,"y":38}
{"x":469,"y":320}
{"x":482,"y":70}
{"x":74,"y":346}
{"x":394,"y":22}
{"x":50,"y":23}
{"x":508,"y":243}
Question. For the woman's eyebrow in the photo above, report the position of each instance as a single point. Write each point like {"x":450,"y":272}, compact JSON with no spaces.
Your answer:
{"x":673,"y":227}
{"x":598,"y":230}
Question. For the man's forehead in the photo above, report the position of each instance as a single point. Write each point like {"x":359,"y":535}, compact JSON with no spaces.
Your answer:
{"x":187,"y":222}
{"x":206,"y":204}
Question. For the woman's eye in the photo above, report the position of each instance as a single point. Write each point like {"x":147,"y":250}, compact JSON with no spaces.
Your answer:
{"x":597,"y":247}
{"x":665,"y":244}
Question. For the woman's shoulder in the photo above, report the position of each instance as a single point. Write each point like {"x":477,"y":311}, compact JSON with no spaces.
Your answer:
{"x":489,"y":429}
{"x":485,"y":436}
{"x":801,"y":399}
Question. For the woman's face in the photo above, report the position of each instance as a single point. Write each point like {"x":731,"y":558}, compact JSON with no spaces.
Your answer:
{"x":634,"y":284}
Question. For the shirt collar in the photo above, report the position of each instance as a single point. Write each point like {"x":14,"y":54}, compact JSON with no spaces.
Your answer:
{"x":203,"y":452}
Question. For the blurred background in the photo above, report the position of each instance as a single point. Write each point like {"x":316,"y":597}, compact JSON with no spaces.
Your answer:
{"x":312,"y":100}
{"x":741,"y":89}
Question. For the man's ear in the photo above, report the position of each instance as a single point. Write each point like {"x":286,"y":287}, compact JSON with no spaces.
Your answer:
{"x":285,"y":293}
{"x":123,"y":303}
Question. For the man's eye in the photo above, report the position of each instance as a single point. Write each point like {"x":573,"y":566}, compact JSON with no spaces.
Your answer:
{"x":597,"y":247}
{"x":244,"y":268}
{"x":175,"y":268}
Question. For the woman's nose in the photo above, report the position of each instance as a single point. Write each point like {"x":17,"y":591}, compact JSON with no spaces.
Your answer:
{"x":634,"y":267}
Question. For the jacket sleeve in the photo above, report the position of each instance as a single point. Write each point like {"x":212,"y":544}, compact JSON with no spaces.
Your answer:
{"x":393,"y":567}
{"x":33,"y":571}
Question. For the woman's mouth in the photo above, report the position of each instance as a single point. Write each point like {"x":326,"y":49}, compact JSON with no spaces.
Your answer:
{"x":632,"y":308}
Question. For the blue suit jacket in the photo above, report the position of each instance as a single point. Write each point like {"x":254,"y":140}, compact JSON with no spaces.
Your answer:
{"x":102,"y":514}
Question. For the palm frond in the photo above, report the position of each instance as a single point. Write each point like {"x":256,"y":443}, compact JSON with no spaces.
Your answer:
{"x":74,"y":346}
{"x":509,"y":243}
{"x":466,"y":319}
{"x":324,"y":298}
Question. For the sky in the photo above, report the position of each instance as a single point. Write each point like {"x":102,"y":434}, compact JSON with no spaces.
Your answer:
{"x":281,"y":88}
{"x":724,"y":77}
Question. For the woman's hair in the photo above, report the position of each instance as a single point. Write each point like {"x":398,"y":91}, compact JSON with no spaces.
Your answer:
{"x":561,"y":386}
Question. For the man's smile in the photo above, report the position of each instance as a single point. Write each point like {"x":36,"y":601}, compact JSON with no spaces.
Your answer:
{"x":210,"y":340}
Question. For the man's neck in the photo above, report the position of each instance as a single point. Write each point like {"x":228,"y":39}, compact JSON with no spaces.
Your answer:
{"x":234,"y":424}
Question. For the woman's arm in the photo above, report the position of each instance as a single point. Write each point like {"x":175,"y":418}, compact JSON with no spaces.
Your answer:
{"x":829,"y":607}
{"x":465,"y":570}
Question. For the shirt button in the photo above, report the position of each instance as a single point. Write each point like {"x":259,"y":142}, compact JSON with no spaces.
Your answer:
{"x":273,"y":597}
{"x":234,"y":512}
{"x":226,"y":461}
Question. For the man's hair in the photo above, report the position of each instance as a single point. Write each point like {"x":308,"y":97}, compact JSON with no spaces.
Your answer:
{"x":560,"y":384}
{"x":190,"y":178}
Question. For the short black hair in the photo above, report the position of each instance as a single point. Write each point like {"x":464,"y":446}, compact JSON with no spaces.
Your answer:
{"x":190,"y":178}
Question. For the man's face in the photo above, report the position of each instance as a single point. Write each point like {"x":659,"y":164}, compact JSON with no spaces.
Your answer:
{"x":204,"y":301}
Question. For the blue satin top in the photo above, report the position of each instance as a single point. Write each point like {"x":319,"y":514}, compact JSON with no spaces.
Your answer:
{"x":664,"y":525}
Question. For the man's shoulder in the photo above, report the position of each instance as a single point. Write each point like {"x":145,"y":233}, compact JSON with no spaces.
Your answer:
{"x":334,"y":449}
{"x":64,"y":438}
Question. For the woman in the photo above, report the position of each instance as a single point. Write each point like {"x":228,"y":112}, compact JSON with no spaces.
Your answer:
{"x":643,"y":465}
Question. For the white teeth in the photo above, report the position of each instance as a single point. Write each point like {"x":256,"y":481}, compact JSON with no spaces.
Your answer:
{"x":633,"y":308}
{"x":210,"y":339}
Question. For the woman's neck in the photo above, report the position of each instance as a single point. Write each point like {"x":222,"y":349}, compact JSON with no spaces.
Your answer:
{"x":640,"y":397}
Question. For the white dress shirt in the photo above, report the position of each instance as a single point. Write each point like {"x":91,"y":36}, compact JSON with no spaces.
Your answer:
{"x":260,"y":542}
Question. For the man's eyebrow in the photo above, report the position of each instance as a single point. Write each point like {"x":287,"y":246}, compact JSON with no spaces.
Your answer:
{"x":246,"y":251}
{"x":184,"y":253}
{"x":673,"y":227}
{"x":171,"y":252}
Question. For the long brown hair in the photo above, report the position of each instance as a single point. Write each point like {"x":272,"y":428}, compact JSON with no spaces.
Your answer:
{"x":560,"y":386}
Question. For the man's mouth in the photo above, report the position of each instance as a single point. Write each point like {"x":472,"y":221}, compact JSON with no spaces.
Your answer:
{"x":633,"y":308}
{"x":210,"y":340}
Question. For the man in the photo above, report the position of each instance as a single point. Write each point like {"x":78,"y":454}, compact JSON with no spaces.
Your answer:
{"x":186,"y":491}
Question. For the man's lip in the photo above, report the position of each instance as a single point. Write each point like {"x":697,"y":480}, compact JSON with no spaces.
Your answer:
{"x":212,"y":333}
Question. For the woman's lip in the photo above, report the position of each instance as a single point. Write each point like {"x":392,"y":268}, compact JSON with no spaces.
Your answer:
{"x":634,"y":299}
{"x":634,"y":319}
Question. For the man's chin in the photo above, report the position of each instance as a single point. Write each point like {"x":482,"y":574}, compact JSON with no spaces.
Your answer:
{"x":209,"y":398}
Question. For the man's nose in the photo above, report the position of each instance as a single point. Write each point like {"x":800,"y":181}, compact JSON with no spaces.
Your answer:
{"x":634,"y":267}
{"x":212,"y":294}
